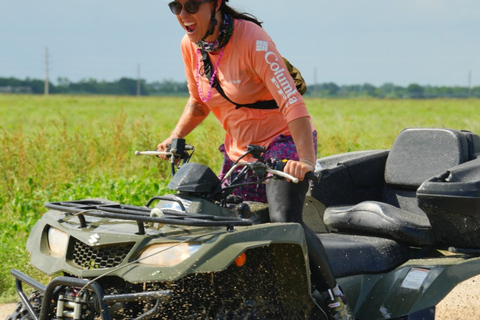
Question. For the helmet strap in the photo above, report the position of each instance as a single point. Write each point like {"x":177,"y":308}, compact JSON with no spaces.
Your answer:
{"x":213,"y":21}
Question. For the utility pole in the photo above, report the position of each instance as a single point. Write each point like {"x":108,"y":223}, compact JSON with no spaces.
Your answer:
{"x":46,"y":72}
{"x":315,"y":82}
{"x":470,"y":83}
{"x":138,"y":80}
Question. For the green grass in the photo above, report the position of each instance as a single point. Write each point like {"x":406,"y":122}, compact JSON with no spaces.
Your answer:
{"x":72,"y":147}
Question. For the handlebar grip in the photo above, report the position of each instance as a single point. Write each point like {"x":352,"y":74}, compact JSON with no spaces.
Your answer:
{"x":313,"y":176}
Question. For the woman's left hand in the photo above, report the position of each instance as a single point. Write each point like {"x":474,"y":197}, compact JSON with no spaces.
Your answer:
{"x":298,"y":169}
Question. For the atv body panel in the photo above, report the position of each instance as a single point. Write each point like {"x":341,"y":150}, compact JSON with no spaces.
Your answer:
{"x":103,"y":255}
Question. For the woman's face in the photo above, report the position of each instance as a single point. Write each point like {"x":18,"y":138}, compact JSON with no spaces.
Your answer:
{"x":196,"y":25}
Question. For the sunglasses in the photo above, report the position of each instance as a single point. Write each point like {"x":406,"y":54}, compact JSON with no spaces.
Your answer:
{"x":190,"y":6}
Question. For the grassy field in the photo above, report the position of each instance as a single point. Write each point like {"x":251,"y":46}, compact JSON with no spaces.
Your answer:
{"x":68,"y":147}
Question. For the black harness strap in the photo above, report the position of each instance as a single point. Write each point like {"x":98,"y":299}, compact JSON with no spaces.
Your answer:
{"x":207,"y":67}
{"x":263,"y":104}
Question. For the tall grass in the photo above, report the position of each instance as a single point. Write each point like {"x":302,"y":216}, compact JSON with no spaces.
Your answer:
{"x":67,"y":148}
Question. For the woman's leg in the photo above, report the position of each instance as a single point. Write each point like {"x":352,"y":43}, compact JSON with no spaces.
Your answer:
{"x":285,"y":202}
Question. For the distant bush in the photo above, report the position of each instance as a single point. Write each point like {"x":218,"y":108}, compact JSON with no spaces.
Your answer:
{"x":132,"y":87}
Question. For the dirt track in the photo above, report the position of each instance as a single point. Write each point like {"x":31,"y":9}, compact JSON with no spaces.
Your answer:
{"x":461,"y":304}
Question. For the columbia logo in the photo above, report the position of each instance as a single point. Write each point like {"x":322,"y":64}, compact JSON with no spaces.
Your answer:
{"x":262,"y":45}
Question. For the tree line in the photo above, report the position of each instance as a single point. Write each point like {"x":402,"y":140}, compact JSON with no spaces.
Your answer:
{"x":128,"y":86}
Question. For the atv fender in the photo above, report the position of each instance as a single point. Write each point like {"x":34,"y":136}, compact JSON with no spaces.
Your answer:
{"x":414,"y":288}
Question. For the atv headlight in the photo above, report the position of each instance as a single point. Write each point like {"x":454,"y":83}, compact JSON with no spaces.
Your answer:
{"x":167,"y":254}
{"x":57,"y":242}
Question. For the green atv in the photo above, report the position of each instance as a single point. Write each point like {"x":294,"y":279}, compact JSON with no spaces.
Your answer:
{"x":400,"y":226}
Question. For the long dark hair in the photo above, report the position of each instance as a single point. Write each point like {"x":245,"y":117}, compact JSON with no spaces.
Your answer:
{"x":238,"y":15}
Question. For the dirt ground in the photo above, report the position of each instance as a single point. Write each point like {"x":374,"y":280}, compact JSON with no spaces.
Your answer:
{"x":461,"y":304}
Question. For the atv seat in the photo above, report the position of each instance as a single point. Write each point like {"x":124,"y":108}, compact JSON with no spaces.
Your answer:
{"x":354,"y":254}
{"x":416,"y":155}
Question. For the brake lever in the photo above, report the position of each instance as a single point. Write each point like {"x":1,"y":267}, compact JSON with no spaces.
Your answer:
{"x":152,"y":153}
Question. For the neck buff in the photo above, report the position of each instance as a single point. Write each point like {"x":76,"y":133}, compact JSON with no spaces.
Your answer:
{"x":225,"y":32}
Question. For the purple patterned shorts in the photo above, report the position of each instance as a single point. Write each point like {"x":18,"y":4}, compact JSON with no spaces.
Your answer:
{"x":282,"y":147}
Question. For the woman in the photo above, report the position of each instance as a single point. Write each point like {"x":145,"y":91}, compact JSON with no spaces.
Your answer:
{"x":251,"y":72}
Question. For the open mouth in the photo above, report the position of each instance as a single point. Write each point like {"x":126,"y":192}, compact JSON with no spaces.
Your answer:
{"x":190,"y":27}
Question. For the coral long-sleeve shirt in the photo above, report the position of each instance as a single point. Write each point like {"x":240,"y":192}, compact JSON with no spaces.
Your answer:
{"x":250,"y":69}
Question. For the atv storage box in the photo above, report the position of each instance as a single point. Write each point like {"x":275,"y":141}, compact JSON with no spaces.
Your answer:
{"x":451,"y":201}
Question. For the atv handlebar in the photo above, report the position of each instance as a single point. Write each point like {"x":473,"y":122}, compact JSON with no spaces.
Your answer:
{"x":179,"y":150}
{"x":315,"y":177}
{"x":283,"y":175}
{"x":175,"y":149}
{"x":258,"y":167}
{"x":152,"y":153}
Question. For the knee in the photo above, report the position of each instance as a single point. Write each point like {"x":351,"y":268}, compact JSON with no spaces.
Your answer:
{"x":285,"y":216}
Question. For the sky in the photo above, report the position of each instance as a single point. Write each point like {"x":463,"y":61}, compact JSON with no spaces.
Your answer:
{"x":428,"y":42}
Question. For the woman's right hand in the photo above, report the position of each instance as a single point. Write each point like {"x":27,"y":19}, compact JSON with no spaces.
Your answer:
{"x":162,"y":147}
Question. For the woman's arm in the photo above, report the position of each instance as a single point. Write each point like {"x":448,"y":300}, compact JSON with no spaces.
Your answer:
{"x":301,"y":131}
{"x":193,"y":114}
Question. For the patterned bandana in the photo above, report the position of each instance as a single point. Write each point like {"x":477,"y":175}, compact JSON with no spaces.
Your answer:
{"x":225,"y":32}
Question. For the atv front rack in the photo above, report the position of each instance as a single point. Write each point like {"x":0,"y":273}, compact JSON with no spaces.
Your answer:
{"x":101,"y":300}
{"x":141,"y":215}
